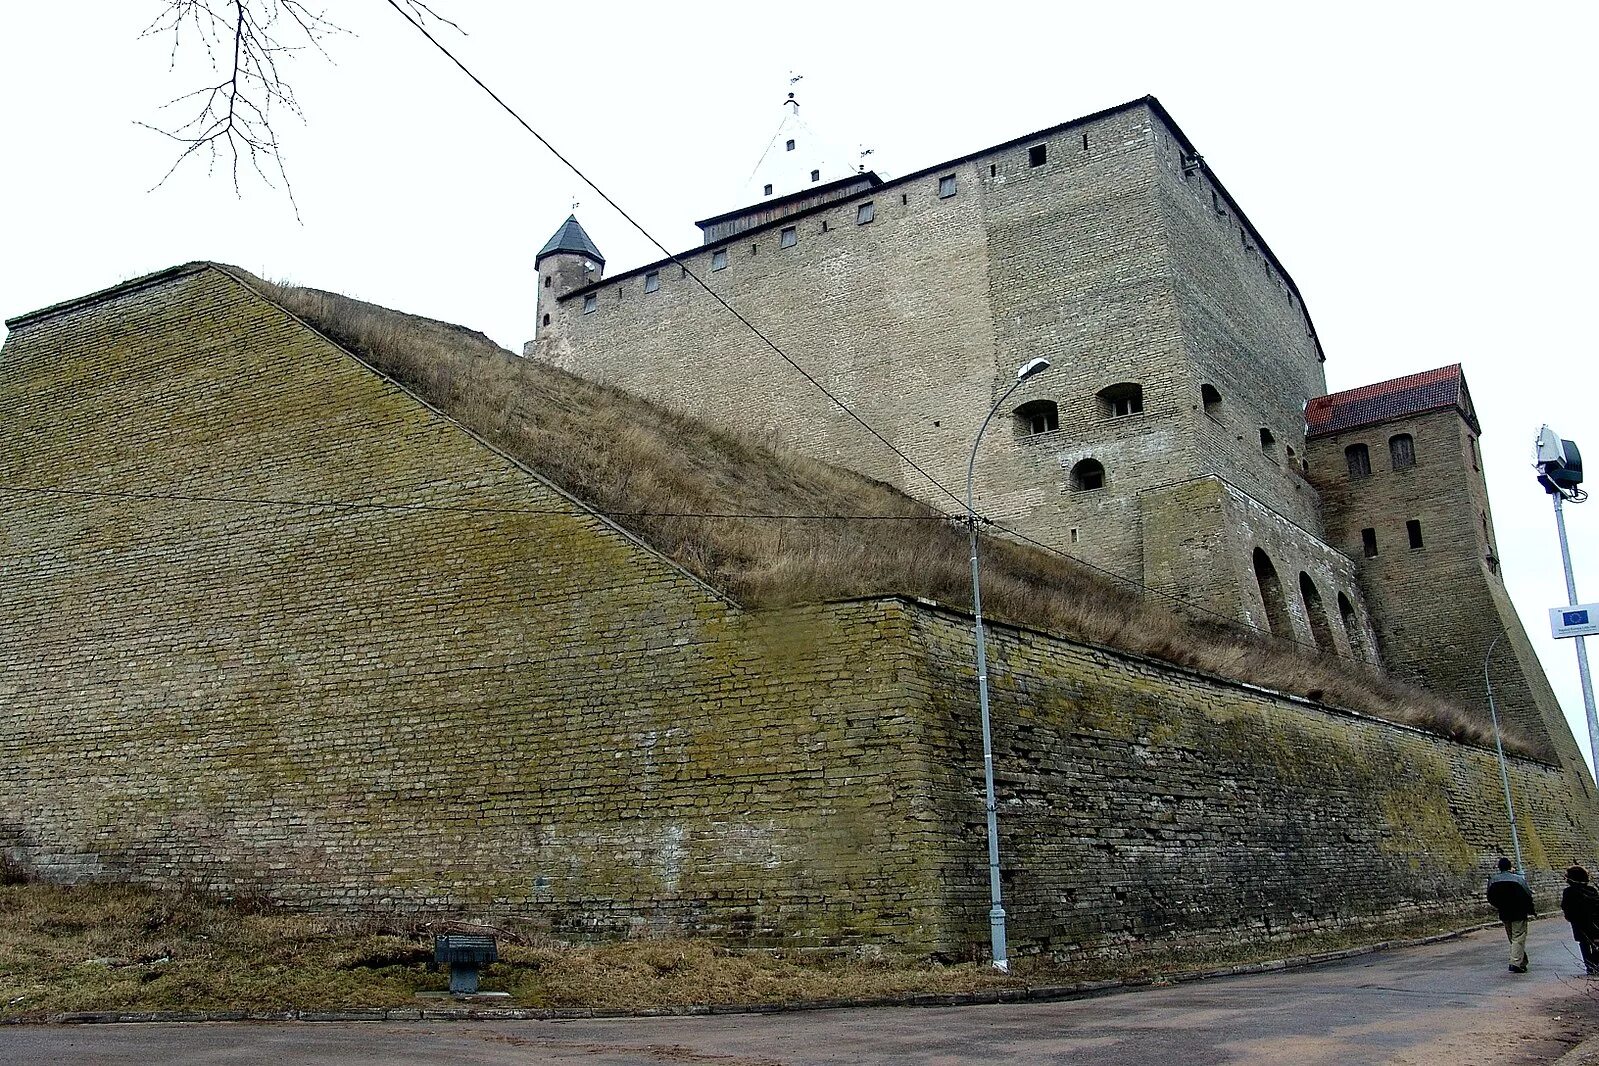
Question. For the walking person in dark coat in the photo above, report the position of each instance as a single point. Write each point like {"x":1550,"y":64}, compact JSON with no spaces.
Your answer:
{"x":1509,"y":895}
{"x":1580,"y":904}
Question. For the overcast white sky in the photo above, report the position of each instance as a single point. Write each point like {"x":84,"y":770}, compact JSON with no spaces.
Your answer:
{"x":1419,"y":168}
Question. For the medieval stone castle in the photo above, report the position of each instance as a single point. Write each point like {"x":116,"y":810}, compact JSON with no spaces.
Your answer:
{"x":285,"y":614}
{"x":1182,"y":436}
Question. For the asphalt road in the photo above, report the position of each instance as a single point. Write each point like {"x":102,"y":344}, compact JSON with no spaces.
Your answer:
{"x":1451,"y":1003}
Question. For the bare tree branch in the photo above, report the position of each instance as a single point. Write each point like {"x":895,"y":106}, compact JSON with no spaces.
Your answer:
{"x":251,"y":42}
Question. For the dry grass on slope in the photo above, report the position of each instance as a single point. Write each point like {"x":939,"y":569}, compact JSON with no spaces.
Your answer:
{"x":622,"y":454}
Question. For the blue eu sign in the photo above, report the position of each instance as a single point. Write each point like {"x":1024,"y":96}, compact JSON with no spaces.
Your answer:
{"x":1575,"y":618}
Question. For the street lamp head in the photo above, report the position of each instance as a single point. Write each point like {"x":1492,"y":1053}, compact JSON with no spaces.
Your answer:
{"x":1031,"y":367}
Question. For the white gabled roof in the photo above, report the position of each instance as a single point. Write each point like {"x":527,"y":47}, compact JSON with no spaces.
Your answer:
{"x":789,"y":170}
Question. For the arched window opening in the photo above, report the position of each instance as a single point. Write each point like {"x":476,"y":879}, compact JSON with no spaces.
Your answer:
{"x":1271,"y":594}
{"x":1358,"y":646}
{"x":546,"y":320}
{"x":1037,"y":416}
{"x":1088,"y":475}
{"x":1359,"y":460}
{"x":1210,"y":396}
{"x":1320,"y":628}
{"x":1122,"y":398}
{"x":1402,"y":451}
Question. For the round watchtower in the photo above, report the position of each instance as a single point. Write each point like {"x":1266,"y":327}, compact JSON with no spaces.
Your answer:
{"x":568,"y":261}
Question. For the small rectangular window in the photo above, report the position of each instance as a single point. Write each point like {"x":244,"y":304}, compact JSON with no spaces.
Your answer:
{"x":547,"y":281}
{"x":816,"y":175}
{"x":719,"y":259}
{"x":946,"y":186}
{"x":1474,"y":461}
{"x":865,"y":213}
{"x":767,"y":190}
{"x":789,"y":146}
{"x":1085,"y":142}
{"x":1413,"y":531}
{"x":904,"y":198}
{"x":1074,"y":535}
{"x":590,"y":303}
{"x":1037,"y":155}
{"x":789,"y":238}
{"x":1368,"y":542}
{"x":993,"y":169}
{"x":652,"y":281}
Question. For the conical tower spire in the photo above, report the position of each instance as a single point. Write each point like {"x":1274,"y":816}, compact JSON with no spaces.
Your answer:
{"x":571,"y":238}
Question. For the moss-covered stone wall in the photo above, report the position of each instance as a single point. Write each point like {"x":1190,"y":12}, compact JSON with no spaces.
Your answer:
{"x":1147,"y":808}
{"x":281,"y":630}
{"x":513,"y":710}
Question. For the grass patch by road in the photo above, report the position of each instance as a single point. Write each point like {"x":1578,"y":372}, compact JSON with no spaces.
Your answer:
{"x":124,"y":948}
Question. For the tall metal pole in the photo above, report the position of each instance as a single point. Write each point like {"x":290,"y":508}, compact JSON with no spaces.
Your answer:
{"x":1504,"y":773}
{"x":1582,"y":644}
{"x":996,"y":909}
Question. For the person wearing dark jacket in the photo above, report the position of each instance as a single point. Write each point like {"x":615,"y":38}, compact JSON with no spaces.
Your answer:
{"x":1509,"y":895}
{"x":1580,"y":904}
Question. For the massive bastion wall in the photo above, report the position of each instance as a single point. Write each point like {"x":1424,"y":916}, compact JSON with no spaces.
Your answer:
{"x":522,"y":710}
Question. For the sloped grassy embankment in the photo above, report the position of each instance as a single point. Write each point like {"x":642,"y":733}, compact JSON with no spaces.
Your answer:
{"x":622,"y":454}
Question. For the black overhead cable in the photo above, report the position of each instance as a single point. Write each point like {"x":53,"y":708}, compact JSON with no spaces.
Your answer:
{"x":840,"y":404}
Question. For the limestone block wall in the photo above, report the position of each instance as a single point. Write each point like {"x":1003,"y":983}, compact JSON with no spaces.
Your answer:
{"x":1439,"y":606}
{"x":1243,"y":330}
{"x":1083,"y":244}
{"x":407,"y":707}
{"x":1146,"y":810}
{"x":1202,"y":534}
{"x":215,"y":672}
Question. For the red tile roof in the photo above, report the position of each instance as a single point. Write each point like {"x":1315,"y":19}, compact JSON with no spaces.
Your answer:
{"x":1413,"y":394}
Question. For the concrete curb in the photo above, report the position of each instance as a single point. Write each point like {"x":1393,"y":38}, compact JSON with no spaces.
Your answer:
{"x":1036,"y":994}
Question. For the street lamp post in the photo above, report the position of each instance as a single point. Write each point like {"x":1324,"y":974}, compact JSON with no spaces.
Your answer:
{"x":996,"y":910}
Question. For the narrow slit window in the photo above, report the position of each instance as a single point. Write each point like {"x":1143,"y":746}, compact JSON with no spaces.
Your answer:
{"x":789,"y":238}
{"x":946,"y":186}
{"x":652,"y":281}
{"x":1085,"y":142}
{"x":1413,"y":531}
{"x":993,"y":169}
{"x":1038,"y":155}
{"x":904,"y":198}
{"x":546,"y":320}
{"x":591,"y":303}
{"x":1368,"y":542}
{"x":719,"y":259}
{"x":865,"y":213}
{"x":547,"y":281}
{"x":1475,"y":463}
